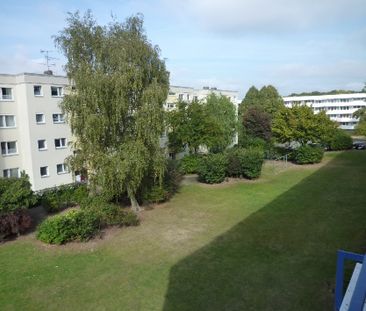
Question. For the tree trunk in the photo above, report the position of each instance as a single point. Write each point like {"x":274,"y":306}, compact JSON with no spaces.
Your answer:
{"x":134,"y":204}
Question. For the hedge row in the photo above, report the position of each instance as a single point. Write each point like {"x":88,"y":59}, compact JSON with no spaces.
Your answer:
{"x":236,"y":162}
{"x":308,"y":154}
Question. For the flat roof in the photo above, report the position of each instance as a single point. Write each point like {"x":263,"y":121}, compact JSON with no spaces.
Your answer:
{"x":320,"y":97}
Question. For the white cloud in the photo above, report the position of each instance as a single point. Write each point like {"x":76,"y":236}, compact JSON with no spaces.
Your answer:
{"x":237,"y":16}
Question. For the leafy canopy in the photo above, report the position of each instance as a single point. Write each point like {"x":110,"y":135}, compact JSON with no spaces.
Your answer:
{"x":115,"y":109}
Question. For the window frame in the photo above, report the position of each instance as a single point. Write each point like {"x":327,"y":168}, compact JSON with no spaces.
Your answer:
{"x":2,"y":96}
{"x":59,"y":94}
{"x":9,"y":174}
{"x":41,"y":90}
{"x":7,"y":148}
{"x":64,"y":167}
{"x":8,"y":127}
{"x":47,"y":169}
{"x":44,"y":118}
{"x":58,"y":122}
{"x":45,"y":144}
{"x":61,"y":146}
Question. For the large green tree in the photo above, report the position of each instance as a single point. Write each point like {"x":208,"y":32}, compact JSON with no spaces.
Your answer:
{"x":210,"y":123}
{"x":300,"y":124}
{"x":115,"y":108}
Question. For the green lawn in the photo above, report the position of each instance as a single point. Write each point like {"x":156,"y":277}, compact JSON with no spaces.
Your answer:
{"x":264,"y":245}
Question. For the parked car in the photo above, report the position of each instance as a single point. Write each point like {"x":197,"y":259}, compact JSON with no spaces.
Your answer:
{"x":359,"y":145}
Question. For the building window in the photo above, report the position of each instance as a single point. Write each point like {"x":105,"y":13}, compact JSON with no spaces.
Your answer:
{"x":195,"y":98}
{"x":6,"y":93}
{"x":43,"y":170}
{"x":60,"y":143}
{"x":58,"y":118}
{"x":56,"y":91}
{"x":9,"y":147}
{"x":7,"y":121}
{"x":180,"y":96}
{"x":62,"y":169}
{"x":11,"y":172}
{"x":37,"y":90}
{"x":42,"y":144}
{"x":40,"y":119}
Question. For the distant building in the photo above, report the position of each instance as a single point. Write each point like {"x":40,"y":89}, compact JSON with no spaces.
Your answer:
{"x":33,"y":134}
{"x":189,"y":94}
{"x":339,"y":107}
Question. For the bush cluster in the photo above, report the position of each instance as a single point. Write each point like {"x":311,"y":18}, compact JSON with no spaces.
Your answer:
{"x":59,"y":198}
{"x":213,"y":168}
{"x":16,"y":196}
{"x":190,"y":164}
{"x":83,"y":224}
{"x":236,"y":162}
{"x":308,"y":154}
{"x":156,"y":192}
{"x":340,"y":140}
{"x":245,"y":163}
{"x":74,"y":225}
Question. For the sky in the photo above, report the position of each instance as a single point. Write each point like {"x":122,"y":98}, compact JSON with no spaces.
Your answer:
{"x":294,"y":45}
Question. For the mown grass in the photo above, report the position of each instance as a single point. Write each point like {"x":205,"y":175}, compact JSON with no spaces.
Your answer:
{"x":264,"y":245}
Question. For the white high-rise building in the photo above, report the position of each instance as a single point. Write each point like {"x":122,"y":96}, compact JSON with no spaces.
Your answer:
{"x":339,"y":107}
{"x":34,"y":136}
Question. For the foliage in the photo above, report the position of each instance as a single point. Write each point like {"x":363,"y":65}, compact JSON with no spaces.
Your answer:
{"x":109,"y":214}
{"x":251,"y":162}
{"x":211,"y":124}
{"x":257,"y":123}
{"x":361,"y":126}
{"x":267,"y":99}
{"x":75,"y":225}
{"x":157,"y":193}
{"x":213,"y":168}
{"x":308,"y":154}
{"x":190,"y":164}
{"x":340,"y":140}
{"x":220,"y":122}
{"x":59,"y":198}
{"x":14,"y":222}
{"x":300,"y":124}
{"x":115,"y":109}
{"x":16,"y":193}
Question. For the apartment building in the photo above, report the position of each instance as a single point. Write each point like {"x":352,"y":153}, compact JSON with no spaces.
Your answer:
{"x":189,"y":94}
{"x":33,"y":133}
{"x":339,"y":107}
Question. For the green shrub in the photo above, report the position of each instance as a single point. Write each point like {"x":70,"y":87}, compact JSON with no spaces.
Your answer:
{"x":16,"y":193}
{"x":251,"y":162}
{"x":59,"y":198}
{"x":13,"y":223}
{"x":308,"y":154}
{"x":190,"y":164}
{"x":75,"y":225}
{"x":245,"y":162}
{"x":213,"y":168}
{"x":340,"y":141}
{"x":109,"y":214}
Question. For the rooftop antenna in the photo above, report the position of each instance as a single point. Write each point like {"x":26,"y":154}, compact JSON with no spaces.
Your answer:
{"x":48,"y":61}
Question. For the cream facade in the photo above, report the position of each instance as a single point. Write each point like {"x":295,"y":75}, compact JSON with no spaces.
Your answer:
{"x":34,"y":136}
{"x":339,"y":107}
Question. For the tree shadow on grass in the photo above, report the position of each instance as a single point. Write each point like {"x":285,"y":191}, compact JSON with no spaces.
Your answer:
{"x":283,"y":256}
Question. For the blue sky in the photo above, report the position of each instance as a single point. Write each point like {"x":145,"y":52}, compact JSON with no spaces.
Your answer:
{"x":295,"y":45}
